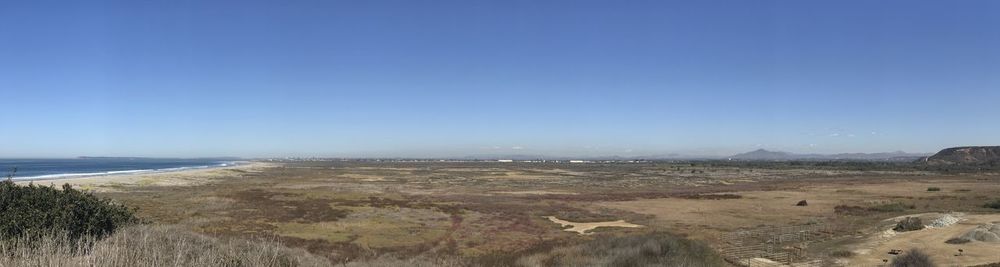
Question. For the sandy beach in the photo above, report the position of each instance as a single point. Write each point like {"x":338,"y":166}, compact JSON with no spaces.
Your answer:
{"x":114,"y":182}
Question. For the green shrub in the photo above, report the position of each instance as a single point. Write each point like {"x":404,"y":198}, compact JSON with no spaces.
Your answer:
{"x":909,"y":224}
{"x":933,"y":189}
{"x":993,"y":205}
{"x":913,"y":258}
{"x":31,"y":210}
{"x":957,"y":240}
{"x":842,"y":254}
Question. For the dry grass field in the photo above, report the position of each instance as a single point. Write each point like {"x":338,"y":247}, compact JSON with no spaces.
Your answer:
{"x":490,"y":213}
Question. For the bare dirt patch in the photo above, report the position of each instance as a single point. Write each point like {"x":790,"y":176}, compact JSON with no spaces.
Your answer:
{"x":584,"y":228}
{"x":933,"y":241}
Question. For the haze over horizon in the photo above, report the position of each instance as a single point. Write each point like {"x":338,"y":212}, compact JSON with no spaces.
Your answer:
{"x":461,"y":78}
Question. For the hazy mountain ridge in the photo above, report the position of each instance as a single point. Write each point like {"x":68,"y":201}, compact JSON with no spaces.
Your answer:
{"x":608,"y":157}
{"x":966,"y":155}
{"x":756,"y":155}
{"x":766,"y":155}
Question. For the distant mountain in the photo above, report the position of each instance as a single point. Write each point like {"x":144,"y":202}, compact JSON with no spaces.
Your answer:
{"x":670,"y":156}
{"x":761,"y":154}
{"x":756,"y":155}
{"x":968,"y":155}
{"x":509,"y":156}
{"x":765,"y":155}
{"x":676,"y":156}
{"x":885,"y":156}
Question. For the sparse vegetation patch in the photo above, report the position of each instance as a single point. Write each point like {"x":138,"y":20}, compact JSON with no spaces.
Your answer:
{"x":711,"y":196}
{"x":842,"y":253}
{"x":995,"y":204}
{"x":958,"y":240}
{"x":852,"y":210}
{"x":913,"y":258}
{"x":655,"y":249}
{"x":909,"y":224}
{"x":892,"y":207}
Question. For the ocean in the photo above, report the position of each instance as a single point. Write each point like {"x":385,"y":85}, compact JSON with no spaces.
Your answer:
{"x":44,"y":169}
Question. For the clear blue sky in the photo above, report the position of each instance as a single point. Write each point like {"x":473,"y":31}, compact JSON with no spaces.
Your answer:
{"x":453,"y":78}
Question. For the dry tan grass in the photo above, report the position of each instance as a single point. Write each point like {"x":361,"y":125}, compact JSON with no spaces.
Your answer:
{"x":145,"y":245}
{"x":652,"y":249}
{"x":703,"y":218}
{"x":153,"y":246}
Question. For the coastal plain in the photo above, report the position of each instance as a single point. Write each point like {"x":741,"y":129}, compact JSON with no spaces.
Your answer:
{"x":348,"y":211}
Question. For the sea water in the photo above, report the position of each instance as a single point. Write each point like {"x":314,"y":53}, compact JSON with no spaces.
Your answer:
{"x":43,"y":169}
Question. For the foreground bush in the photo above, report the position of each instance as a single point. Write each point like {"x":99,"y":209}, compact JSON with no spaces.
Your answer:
{"x":913,"y":258}
{"x":909,"y":224}
{"x":957,"y":240}
{"x":993,"y":205}
{"x":144,"y":245}
{"x":658,"y":249}
{"x":842,"y":254}
{"x":38,"y":210}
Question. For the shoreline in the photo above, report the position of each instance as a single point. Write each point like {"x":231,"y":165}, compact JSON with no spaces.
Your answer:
{"x":166,"y":177}
{"x":65,"y":176}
